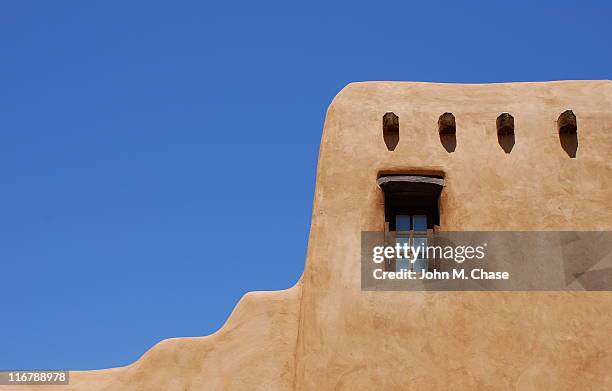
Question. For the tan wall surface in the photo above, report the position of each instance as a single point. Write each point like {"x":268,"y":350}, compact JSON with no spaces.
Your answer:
{"x":326,"y":334}
{"x":462,"y":340}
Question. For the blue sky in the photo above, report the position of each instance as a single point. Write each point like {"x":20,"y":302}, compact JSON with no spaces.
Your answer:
{"x":141,"y":147}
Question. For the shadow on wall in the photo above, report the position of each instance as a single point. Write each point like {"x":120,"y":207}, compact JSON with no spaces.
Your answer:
{"x":506,"y":141}
{"x":569,"y":143}
{"x":391,"y":130}
{"x":449,"y":142}
{"x":505,"y":131}
{"x":568,"y":127}
{"x":447,"y":128}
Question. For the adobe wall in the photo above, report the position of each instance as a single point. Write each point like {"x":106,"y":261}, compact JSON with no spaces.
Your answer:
{"x":326,"y":334}
{"x":351,"y":339}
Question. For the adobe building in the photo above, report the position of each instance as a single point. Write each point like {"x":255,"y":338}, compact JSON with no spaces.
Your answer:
{"x":510,"y":157}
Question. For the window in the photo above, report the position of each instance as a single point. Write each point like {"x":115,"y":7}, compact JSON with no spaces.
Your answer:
{"x":412,"y":231}
{"x":411,"y":214}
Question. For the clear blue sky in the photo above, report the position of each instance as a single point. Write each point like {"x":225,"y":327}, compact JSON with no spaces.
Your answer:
{"x":150,"y":150}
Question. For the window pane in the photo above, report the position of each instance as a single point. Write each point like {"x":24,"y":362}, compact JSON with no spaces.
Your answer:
{"x":401,"y":241}
{"x":420,"y":242}
{"x":402,"y":223}
{"x":419,"y":222}
{"x":401,"y":264}
{"x":420,"y":265}
{"x":400,"y":261}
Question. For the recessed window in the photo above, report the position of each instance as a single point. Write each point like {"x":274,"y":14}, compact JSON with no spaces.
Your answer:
{"x":411,"y":213}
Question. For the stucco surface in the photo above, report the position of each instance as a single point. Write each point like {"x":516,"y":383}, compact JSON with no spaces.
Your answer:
{"x":326,"y":334}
